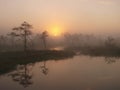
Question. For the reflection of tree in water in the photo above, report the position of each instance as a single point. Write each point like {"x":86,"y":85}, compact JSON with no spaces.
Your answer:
{"x":44,"y":68}
{"x":110,"y":60}
{"x":22,"y":75}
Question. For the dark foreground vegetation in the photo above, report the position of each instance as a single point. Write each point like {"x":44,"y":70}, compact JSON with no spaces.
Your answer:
{"x":9,"y":60}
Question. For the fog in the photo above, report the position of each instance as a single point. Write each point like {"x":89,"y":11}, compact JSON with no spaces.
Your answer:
{"x":67,"y":41}
{"x":59,"y":44}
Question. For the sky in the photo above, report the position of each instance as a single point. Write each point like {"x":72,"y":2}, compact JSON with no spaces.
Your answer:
{"x":75,"y":16}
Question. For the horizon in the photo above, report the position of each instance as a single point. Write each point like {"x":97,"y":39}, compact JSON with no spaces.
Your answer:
{"x":78,"y":16}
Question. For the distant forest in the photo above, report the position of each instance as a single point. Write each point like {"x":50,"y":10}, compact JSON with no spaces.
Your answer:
{"x":22,"y":38}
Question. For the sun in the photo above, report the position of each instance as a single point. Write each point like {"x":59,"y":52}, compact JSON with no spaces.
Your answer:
{"x":55,"y":31}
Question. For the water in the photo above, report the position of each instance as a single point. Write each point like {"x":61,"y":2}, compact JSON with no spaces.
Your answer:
{"x":78,"y":73}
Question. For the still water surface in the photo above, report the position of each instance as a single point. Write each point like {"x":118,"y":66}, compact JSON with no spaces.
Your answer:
{"x":78,"y":73}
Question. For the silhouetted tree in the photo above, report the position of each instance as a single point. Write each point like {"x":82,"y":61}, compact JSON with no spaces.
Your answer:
{"x":110,"y":42}
{"x":43,"y":37}
{"x":23,"y":31}
{"x":68,"y":39}
{"x":3,"y":43}
{"x":12,"y":35}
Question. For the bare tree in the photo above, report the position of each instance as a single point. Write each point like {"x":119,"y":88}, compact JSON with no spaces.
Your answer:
{"x":110,"y":42}
{"x":43,"y":37}
{"x":23,"y":31}
{"x":12,"y":35}
{"x":3,"y":43}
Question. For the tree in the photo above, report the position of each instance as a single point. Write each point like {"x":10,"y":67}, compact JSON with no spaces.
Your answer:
{"x":43,"y":37}
{"x":3,"y":43}
{"x":110,"y":42}
{"x":23,"y":31}
{"x":12,"y":35}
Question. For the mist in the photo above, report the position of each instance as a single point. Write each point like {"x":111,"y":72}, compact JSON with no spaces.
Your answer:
{"x":67,"y":41}
{"x":59,"y":44}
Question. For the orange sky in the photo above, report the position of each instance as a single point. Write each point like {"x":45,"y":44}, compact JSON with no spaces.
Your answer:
{"x":85,"y":16}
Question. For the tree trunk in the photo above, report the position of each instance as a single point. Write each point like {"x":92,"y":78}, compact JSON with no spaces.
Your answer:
{"x":44,"y":42}
{"x":25,"y":41}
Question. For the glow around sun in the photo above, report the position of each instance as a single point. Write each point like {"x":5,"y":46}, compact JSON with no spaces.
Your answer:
{"x":55,"y":31}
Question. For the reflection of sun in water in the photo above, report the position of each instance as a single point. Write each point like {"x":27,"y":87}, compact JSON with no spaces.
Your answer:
{"x":55,"y":31}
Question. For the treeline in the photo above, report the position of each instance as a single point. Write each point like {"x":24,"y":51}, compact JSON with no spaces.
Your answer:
{"x":22,"y":38}
{"x":91,"y":44}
